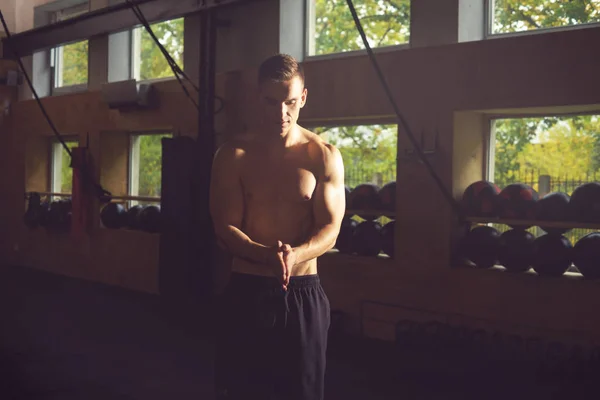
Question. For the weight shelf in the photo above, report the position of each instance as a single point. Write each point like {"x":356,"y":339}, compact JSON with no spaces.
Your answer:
{"x":536,"y":222}
{"x":372,"y":213}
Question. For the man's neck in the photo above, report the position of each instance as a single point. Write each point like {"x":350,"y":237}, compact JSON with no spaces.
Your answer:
{"x":285,"y":139}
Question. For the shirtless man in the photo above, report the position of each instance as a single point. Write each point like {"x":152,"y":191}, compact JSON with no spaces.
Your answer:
{"x":277,"y":203}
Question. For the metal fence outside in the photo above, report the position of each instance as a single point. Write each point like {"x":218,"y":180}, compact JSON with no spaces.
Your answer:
{"x":356,"y":175}
{"x":542,"y":183}
{"x":545,"y":184}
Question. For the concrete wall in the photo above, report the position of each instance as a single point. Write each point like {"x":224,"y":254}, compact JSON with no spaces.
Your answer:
{"x":448,"y":88}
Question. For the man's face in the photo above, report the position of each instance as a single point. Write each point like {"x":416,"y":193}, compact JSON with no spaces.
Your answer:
{"x":281,"y":103}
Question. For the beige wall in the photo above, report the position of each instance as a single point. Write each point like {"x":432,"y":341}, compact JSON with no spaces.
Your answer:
{"x":21,"y":11}
{"x":445,"y":88}
{"x":8,"y":8}
{"x":24,"y":13}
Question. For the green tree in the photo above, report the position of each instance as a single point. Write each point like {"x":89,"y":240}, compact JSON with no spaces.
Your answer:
{"x":150,"y":164}
{"x":523,"y":15}
{"x":511,"y":137}
{"x":385,"y":22}
{"x":555,"y":146}
{"x":589,"y":125}
{"x":74,"y":63}
{"x":66,"y":172}
{"x":561,"y":149}
{"x":152,"y":61}
{"x":366,"y":151}
{"x":514,"y":135}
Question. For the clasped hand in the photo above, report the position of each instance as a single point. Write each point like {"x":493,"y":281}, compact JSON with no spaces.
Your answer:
{"x":282,"y":261}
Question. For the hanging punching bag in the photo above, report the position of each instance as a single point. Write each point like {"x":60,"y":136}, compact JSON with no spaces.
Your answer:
{"x":184,"y":274}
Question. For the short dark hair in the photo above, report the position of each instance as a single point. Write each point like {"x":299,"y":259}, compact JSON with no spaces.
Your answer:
{"x":280,"y":68}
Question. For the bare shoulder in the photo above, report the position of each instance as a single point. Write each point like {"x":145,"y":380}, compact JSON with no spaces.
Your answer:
{"x":326,"y":155}
{"x":234,"y":148}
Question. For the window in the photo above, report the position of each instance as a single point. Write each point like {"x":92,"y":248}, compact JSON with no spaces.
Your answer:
{"x":61,"y":173}
{"x":332,"y":28}
{"x":148,"y":62}
{"x":565,"y":148}
{"x":70,"y":61}
{"x":550,"y":153}
{"x":145,"y":166}
{"x":368,"y":151}
{"x":369,"y":155}
{"x":508,"y":16}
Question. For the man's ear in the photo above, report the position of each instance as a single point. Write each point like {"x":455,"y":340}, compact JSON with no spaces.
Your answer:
{"x":304,"y":96}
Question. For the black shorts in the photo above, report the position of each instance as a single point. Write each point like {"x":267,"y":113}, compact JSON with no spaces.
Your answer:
{"x":271,"y":343}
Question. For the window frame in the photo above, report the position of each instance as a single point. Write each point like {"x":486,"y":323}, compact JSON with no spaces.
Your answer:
{"x":134,"y":45}
{"x":55,"y":144}
{"x":488,"y":167}
{"x":131,"y":158}
{"x":62,"y":14}
{"x":60,"y":90}
{"x":70,"y":11}
{"x":379,"y":120}
{"x":489,"y":138}
{"x":488,"y":22}
{"x":309,"y":23}
{"x":311,"y":124}
{"x":489,"y":143}
{"x":43,"y":76}
{"x":130,"y":167}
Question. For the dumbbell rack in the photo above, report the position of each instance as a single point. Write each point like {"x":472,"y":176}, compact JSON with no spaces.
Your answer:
{"x":530,"y":223}
{"x":113,"y":198}
{"x":469,"y":222}
{"x":481,"y":220}
{"x":372,"y":213}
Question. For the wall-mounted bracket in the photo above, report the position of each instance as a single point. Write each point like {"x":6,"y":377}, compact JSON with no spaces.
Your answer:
{"x":411,"y":154}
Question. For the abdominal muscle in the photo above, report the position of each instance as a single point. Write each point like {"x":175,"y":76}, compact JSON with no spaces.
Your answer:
{"x":267,"y":223}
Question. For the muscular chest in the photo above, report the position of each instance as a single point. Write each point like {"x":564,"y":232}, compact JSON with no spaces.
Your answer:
{"x":269,"y":182}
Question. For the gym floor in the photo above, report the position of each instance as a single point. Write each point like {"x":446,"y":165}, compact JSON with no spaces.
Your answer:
{"x":62,"y":338}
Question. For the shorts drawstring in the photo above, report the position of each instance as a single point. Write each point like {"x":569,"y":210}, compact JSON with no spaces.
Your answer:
{"x":285,"y":301}
{"x":287,"y":306}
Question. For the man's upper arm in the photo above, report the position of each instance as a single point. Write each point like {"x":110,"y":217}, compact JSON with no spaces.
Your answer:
{"x":226,"y":199}
{"x":330,"y":196}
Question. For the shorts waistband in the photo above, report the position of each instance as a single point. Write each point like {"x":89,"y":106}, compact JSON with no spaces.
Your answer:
{"x":305,"y":281}
{"x":267,"y":282}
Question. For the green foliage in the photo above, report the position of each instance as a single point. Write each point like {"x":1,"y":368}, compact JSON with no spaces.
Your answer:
{"x":541,"y":144}
{"x":152,"y":65}
{"x":66,"y":172}
{"x":385,"y":22}
{"x":512,"y":135}
{"x":559,"y":150}
{"x":523,"y":15}
{"x":555,"y":146}
{"x":152,"y":61}
{"x":550,"y":145}
{"x":74,"y":63}
{"x":150,"y":164}
{"x":366,"y":150}
{"x":369,"y":152}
